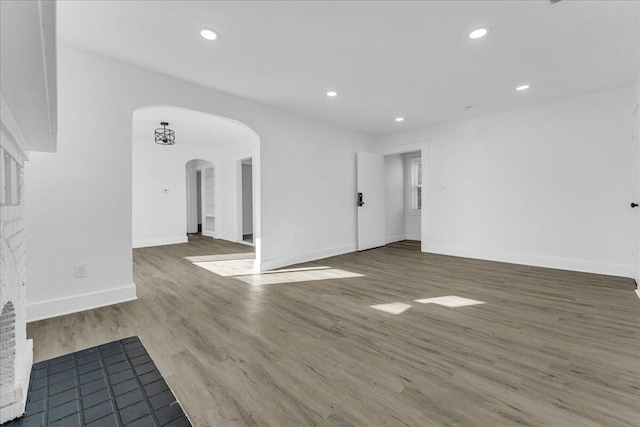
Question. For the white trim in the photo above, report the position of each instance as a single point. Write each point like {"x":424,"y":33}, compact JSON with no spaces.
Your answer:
{"x":34,"y":98}
{"x":416,"y":237}
{"x":306,"y":257}
{"x":404,"y":148}
{"x":80,"y":302}
{"x":396,"y":238}
{"x":228,"y":237}
{"x":160,"y":242}
{"x":48,"y":39}
{"x":414,"y":160}
{"x":611,"y":269}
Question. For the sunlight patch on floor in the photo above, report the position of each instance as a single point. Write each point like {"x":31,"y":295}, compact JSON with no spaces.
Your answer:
{"x":292,"y":276}
{"x":220,"y":257}
{"x":393,"y":308}
{"x":232,"y":267}
{"x":240,"y":266}
{"x":450,"y":301}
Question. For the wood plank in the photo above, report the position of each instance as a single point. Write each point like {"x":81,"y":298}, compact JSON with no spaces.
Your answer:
{"x":547,"y":347}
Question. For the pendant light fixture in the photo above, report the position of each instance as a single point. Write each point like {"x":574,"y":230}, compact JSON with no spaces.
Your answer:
{"x":165,"y":136}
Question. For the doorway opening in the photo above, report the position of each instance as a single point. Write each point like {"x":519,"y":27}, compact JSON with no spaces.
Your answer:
{"x":391,"y":198}
{"x":246,"y":179}
{"x":404,"y":199}
{"x":193,"y":188}
{"x":201,"y":217}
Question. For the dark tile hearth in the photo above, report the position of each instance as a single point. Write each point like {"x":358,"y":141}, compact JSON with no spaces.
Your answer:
{"x":114,"y":384}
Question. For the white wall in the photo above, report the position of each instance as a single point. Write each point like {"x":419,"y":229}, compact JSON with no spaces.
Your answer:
{"x":544,"y":186}
{"x":80,"y":206}
{"x":394,"y":198}
{"x":159,"y":217}
{"x":247,"y":199}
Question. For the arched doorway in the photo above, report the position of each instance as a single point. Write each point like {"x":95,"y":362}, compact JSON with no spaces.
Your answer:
{"x":206,"y":159}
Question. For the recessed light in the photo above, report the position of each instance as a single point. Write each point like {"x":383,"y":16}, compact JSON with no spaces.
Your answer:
{"x":467,"y":107}
{"x":209,"y":34}
{"x":479,"y":33}
{"x":523,"y":87}
{"x":399,"y":119}
{"x":332,"y":93}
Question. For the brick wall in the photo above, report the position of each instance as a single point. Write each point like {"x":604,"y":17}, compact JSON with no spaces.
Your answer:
{"x":13,"y":342}
{"x":8,"y":344}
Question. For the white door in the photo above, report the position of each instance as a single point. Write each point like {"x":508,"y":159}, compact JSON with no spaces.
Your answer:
{"x":635,"y":193}
{"x":370,"y":198}
{"x":208,"y":205}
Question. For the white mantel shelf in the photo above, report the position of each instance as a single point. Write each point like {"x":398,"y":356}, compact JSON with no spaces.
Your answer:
{"x":28,"y":73}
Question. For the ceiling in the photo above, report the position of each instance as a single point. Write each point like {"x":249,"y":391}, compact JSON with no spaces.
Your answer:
{"x":384,"y":58}
{"x":192,"y":127}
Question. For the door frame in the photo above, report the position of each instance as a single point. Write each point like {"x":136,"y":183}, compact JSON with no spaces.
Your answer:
{"x":635,"y":194}
{"x":423,"y":148}
{"x":239,"y":204}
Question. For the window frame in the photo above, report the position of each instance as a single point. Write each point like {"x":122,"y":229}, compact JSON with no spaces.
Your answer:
{"x":416,"y":183}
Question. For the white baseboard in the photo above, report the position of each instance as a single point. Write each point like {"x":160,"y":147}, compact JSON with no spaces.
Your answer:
{"x":611,"y":269}
{"x":306,"y":257}
{"x":159,"y":242}
{"x":80,"y":302}
{"x":228,"y":237}
{"x":396,"y":238}
{"x":416,"y":237}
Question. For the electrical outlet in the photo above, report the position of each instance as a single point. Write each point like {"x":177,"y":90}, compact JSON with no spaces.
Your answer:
{"x":80,"y":270}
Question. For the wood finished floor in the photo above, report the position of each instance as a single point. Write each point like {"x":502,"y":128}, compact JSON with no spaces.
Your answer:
{"x":548,"y":347}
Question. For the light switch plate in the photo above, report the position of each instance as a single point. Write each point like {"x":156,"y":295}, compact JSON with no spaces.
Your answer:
{"x":80,"y":270}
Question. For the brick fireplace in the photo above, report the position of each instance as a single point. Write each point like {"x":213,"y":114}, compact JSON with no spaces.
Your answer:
{"x":28,"y":123}
{"x":15,"y":350}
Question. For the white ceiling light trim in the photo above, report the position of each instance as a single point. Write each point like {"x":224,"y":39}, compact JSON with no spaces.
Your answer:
{"x":522,"y":87}
{"x":332,"y":93}
{"x":209,"y":34}
{"x":399,"y":119}
{"x":478,"y":33}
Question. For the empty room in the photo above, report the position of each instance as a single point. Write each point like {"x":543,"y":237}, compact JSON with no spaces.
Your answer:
{"x":319,"y":213}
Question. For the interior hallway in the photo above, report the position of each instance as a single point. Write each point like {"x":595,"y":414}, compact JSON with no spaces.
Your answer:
{"x":547,"y":347}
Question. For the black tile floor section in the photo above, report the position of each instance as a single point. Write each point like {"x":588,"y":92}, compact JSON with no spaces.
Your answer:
{"x":114,"y":384}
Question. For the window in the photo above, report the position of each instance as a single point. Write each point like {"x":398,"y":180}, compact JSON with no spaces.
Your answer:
{"x":416,"y":183}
